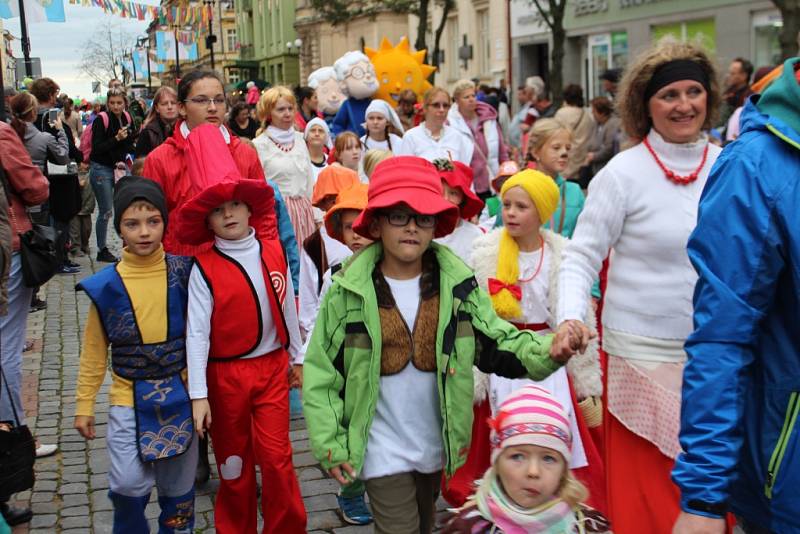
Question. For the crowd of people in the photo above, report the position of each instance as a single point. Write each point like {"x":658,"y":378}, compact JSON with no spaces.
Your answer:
{"x":597,"y":301}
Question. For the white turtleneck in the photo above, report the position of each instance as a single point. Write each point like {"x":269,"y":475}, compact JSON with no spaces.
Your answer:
{"x":201,"y":303}
{"x":646,"y":220}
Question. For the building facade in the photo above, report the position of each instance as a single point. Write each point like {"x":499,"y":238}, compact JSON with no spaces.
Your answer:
{"x":268,"y":45}
{"x":604,"y":34}
{"x":322,"y":43}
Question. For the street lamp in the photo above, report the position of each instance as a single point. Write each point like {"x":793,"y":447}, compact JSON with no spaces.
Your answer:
{"x":210,"y":38}
{"x":175,"y":28}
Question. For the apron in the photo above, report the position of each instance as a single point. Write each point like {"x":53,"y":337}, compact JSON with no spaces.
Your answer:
{"x":164,"y":426}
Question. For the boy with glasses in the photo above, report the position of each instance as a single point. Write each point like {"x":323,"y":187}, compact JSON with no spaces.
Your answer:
{"x":388,"y":371}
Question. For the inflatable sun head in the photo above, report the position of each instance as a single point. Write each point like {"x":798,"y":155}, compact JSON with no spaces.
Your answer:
{"x":357,"y":74}
{"x":398,"y":69}
{"x":328,"y":89}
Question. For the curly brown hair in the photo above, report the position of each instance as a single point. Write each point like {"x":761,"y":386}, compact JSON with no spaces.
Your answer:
{"x":630,"y":99}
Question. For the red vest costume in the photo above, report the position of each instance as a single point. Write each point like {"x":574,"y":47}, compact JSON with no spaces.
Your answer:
{"x":233,"y":332}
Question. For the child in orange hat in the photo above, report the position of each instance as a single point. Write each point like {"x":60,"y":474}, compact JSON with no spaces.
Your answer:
{"x":319,"y":251}
{"x":339,"y":226}
{"x":456,"y":179}
{"x":241,"y":330}
{"x":388,"y":371}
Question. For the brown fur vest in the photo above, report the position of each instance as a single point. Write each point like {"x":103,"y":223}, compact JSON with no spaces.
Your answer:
{"x":399,"y":344}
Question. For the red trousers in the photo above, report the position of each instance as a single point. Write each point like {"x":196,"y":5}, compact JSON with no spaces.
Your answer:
{"x":249,"y":401}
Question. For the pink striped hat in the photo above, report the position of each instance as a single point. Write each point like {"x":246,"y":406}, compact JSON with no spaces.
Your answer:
{"x":531,"y":416}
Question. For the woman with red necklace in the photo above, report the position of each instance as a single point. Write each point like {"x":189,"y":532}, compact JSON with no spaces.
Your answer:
{"x":642,"y":206}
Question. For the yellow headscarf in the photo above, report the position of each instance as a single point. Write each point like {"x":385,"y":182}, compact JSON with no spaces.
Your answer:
{"x":545,"y":195}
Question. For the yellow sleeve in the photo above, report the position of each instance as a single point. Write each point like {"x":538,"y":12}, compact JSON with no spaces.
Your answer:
{"x":93,"y":364}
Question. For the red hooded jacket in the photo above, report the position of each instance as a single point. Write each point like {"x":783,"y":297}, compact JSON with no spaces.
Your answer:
{"x":166,"y":165}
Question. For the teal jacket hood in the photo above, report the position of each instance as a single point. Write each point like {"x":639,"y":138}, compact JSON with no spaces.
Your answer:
{"x":781,"y":100}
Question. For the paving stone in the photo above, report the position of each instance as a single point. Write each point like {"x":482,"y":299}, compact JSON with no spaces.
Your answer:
{"x":321,"y":502}
{"x":44,"y":521}
{"x":42,"y":496}
{"x":79,"y":499}
{"x":45,"y":485}
{"x":323,"y":520}
{"x":42,"y":508}
{"x":75,"y":511}
{"x":318,"y":487}
{"x":78,"y":487}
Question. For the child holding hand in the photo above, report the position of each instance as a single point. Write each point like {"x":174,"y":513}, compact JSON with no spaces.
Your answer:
{"x":388,"y":372}
{"x":529,"y":488}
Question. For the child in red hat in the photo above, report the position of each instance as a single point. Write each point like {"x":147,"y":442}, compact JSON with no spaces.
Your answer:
{"x":240,"y":325}
{"x":456,"y":180}
{"x":388,"y":371}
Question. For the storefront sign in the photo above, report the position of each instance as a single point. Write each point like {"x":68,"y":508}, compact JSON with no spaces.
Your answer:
{"x":587,"y":7}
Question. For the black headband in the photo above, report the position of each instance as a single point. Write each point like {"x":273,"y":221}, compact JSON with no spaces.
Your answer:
{"x":673,"y":71}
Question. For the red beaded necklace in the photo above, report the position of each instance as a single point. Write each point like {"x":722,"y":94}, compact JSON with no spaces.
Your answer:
{"x":670,"y":174}
{"x":283,"y":148}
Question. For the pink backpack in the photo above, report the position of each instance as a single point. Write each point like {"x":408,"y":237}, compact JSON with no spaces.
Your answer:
{"x":86,"y":136}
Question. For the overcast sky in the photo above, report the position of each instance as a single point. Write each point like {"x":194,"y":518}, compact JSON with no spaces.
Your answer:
{"x":59,"y":44}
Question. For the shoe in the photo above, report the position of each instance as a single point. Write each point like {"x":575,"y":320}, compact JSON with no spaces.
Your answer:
{"x":28,"y":346}
{"x":15,"y":516}
{"x":66,"y":269}
{"x":43,"y":450}
{"x":69,"y":263}
{"x":37,"y":304}
{"x":354,"y":510}
{"x":105,"y":256}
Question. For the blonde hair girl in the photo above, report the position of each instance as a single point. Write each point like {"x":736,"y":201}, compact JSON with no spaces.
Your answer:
{"x":548,"y":151}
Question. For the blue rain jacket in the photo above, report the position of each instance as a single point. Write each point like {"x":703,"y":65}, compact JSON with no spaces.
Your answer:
{"x":741,"y":390}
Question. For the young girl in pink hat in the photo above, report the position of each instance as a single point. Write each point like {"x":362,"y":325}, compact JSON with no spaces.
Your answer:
{"x":529,"y":489}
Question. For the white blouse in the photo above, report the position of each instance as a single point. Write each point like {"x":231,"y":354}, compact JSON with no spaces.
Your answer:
{"x":291,"y":171}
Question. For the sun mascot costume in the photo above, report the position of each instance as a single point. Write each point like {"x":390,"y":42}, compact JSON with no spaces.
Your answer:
{"x":398,"y":69}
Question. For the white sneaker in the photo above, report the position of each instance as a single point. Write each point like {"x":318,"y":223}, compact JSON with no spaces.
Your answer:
{"x":46,"y":450}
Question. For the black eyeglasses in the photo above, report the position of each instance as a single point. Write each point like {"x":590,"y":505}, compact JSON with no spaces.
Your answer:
{"x":402,"y":218}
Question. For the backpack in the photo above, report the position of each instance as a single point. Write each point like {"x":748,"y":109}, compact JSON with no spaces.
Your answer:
{"x":86,"y":136}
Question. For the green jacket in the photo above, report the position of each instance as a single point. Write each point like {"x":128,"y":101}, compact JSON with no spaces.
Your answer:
{"x":342,"y":363}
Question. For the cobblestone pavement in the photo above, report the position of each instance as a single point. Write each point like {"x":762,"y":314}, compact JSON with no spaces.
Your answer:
{"x":70,"y":494}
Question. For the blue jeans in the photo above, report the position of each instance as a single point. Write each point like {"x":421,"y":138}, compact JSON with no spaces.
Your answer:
{"x":12,"y":339}
{"x":102,"y":179}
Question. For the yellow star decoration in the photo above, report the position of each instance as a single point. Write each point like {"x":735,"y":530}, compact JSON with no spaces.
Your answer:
{"x":398,"y":69}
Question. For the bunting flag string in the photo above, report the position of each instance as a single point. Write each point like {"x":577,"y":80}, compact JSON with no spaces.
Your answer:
{"x":195,"y":16}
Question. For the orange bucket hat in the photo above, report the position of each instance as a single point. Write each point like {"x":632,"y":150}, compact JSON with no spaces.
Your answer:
{"x":332,"y":180}
{"x":352,"y":198}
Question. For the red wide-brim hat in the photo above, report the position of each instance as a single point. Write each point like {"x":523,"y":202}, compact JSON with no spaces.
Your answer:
{"x":461,"y":178}
{"x":212,"y":172}
{"x":192,"y":216}
{"x":409,"y":181}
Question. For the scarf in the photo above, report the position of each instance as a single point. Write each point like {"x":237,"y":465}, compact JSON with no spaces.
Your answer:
{"x":284,"y":137}
{"x":552,"y":517}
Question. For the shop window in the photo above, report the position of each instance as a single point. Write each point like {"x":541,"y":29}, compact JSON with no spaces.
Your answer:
{"x":702,"y":30}
{"x":484,"y":46}
{"x":451,"y":60}
{"x":766,"y":44}
{"x":233,"y":77}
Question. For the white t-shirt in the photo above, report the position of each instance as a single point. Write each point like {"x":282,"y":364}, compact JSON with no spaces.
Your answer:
{"x":406,"y":432}
{"x":451,"y":145}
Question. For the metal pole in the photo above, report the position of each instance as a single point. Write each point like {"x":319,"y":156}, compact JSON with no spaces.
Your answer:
{"x":133,"y":63}
{"x":211,"y":37}
{"x":149,"y":79}
{"x":177,"y":57}
{"x":2,"y":86}
{"x":26,"y":42}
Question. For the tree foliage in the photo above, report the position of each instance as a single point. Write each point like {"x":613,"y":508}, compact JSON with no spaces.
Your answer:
{"x":103,"y":51}
{"x":790,"y":13}
{"x":552,"y":12}
{"x":342,"y":11}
